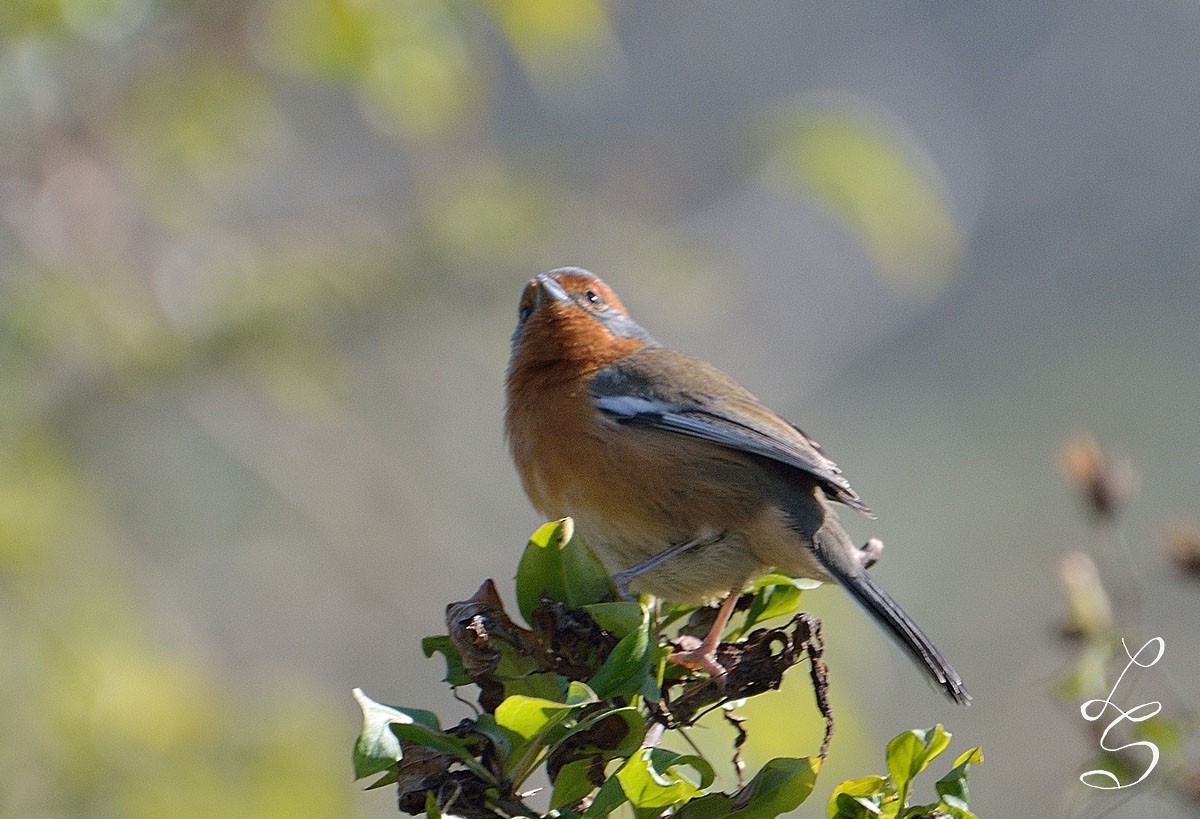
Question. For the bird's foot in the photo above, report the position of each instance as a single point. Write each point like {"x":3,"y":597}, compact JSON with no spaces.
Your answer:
{"x":621,"y":581}
{"x":700,"y":656}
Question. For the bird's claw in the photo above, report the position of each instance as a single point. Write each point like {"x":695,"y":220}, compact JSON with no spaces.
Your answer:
{"x":621,"y":581}
{"x":701,"y":657}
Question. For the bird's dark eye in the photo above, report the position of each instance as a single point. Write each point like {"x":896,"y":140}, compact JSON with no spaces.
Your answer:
{"x":524,"y":313}
{"x":592,"y":297}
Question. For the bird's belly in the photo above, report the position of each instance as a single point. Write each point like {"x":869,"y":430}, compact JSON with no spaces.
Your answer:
{"x":640,"y":492}
{"x":719,"y":562}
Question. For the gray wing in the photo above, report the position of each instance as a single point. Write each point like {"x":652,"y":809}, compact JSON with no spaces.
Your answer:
{"x":713,"y":407}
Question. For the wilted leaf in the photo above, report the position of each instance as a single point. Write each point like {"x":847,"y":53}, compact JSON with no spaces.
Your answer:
{"x":610,"y":797}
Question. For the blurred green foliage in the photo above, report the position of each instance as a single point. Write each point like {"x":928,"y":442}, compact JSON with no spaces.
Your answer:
{"x":164,"y":224}
{"x":99,"y":721}
{"x":873,"y":177}
{"x":138,"y":253}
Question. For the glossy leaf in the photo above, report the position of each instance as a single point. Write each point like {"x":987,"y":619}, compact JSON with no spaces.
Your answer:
{"x":775,"y":595}
{"x":571,"y":784}
{"x":848,"y":806}
{"x":585,"y":578}
{"x":541,"y":568}
{"x":859,"y":797}
{"x":780,"y":786}
{"x":528,"y":717}
{"x":618,"y":618}
{"x":558,"y":564}
{"x":909,"y":753}
{"x":954,"y":784}
{"x":709,"y":806}
{"x":628,"y":667}
{"x":456,"y":673}
{"x":655,"y":778}
{"x":503,"y":740}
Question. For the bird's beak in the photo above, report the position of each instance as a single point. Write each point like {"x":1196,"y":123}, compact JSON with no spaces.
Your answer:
{"x":548,"y":290}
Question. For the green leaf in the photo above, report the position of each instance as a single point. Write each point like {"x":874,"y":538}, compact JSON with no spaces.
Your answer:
{"x":846,"y":806}
{"x":954,"y":783}
{"x":503,"y":740}
{"x":1168,"y":734}
{"x":541,"y":568}
{"x":585,"y":578}
{"x":669,"y":613}
{"x":390,"y":777}
{"x":558,"y":564}
{"x":432,"y":810}
{"x":606,"y":735}
{"x":456,"y":672}
{"x":957,"y":808}
{"x":629,"y":665}
{"x":377,"y":748}
{"x":775,"y":595}
{"x":610,"y":797}
{"x":709,"y":806}
{"x":780,"y":786}
{"x":909,"y":753}
{"x":539,"y":686}
{"x":878,"y":181}
{"x":798,"y":583}
{"x":580,"y":694}
{"x":571,"y":784}
{"x":421,"y":734}
{"x":1088,"y":675}
{"x":618,"y":619}
{"x":859,"y":797}
{"x":530,"y":717}
{"x":654,"y":778}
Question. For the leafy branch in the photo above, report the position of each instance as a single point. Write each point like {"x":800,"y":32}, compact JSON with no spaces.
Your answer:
{"x":586,"y":694}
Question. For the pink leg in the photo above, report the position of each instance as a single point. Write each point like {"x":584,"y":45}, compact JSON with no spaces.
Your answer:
{"x":705,"y":655}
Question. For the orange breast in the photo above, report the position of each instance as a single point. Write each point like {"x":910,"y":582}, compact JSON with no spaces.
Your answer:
{"x":634,"y":492}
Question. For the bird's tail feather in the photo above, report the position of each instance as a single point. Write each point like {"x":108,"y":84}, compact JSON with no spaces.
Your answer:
{"x":904,"y":631}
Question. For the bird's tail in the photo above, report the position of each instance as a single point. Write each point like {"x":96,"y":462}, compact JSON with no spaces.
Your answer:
{"x":903,"y":630}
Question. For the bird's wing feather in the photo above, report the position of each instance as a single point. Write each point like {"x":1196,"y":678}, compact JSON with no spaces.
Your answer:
{"x":714,"y":408}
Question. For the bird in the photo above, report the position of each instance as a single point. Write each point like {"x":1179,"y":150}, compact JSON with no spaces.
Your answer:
{"x":684,"y":485}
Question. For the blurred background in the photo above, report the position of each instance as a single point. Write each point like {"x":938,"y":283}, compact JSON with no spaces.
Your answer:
{"x":259,"y":265}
